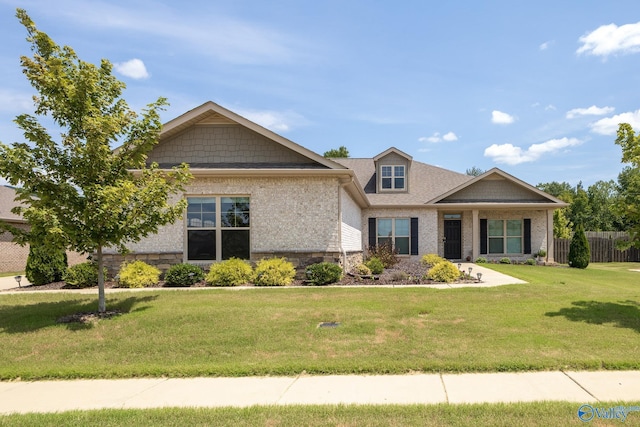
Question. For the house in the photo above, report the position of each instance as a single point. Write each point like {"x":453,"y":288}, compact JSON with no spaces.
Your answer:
{"x":256,"y":194}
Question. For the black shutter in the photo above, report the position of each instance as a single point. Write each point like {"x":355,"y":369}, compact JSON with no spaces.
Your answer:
{"x":414,"y":236}
{"x":483,"y":236}
{"x":527,"y":235}
{"x":372,"y":232}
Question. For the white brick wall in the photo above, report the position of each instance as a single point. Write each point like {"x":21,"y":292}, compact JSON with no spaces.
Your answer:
{"x":427,"y":225}
{"x":286,"y":214}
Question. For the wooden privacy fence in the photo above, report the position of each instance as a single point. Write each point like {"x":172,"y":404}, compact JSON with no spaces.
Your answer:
{"x":603,"y":248}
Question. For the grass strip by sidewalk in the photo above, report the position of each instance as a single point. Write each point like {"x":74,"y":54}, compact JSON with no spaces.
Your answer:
{"x":563,"y":319}
{"x":490,"y":415}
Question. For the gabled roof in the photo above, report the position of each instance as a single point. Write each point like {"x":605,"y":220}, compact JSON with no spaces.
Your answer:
{"x":494,"y":188}
{"x":392,"y":150}
{"x":425,"y":182}
{"x":212,"y":113}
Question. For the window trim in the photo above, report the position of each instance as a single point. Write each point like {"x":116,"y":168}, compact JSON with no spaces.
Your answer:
{"x":393,"y":178}
{"x":218,"y":228}
{"x":393,"y":235}
{"x":505,"y":236}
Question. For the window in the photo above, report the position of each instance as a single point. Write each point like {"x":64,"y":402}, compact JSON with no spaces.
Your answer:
{"x":397,"y":232}
{"x":217,"y":228}
{"x":505,"y":236}
{"x":392,"y":177}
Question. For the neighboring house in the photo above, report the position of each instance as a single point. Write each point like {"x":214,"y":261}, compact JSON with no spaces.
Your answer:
{"x":13,"y":258}
{"x":257,"y":194}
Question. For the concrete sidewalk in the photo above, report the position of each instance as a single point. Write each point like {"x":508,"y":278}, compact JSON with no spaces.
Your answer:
{"x":578,"y":387}
{"x":489,"y":278}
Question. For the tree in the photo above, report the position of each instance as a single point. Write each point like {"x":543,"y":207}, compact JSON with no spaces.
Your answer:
{"x":562,"y":226}
{"x":79,"y":189}
{"x":579,"y":251}
{"x":629,"y":204}
{"x":337,"y":152}
{"x":47,"y":260}
{"x":602,"y":196}
{"x":475,"y":171}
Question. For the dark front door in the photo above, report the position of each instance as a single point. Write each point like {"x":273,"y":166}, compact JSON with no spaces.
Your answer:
{"x":452,"y":239}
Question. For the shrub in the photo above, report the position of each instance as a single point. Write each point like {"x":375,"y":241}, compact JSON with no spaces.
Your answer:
{"x":232,"y":272}
{"x":362,"y":270}
{"x":505,"y":260}
{"x":579,"y":251}
{"x":82,"y":275}
{"x":481,"y":260}
{"x":431,"y":259}
{"x":45,"y":264}
{"x":385,"y":253}
{"x":323,"y":273}
{"x":274,"y":272}
{"x":531,"y":261}
{"x":375,"y":265}
{"x":444,"y":272}
{"x":138,"y":274}
{"x":183,"y":275}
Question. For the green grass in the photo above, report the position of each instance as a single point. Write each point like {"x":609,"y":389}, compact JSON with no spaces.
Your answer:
{"x":518,"y":414}
{"x":563,"y":319}
{"x":12,"y":274}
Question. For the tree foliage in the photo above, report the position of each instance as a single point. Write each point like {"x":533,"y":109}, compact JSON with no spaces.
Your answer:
{"x":629,"y":182}
{"x":78,"y":188}
{"x":579,"y":251}
{"x":475,"y":171}
{"x":337,"y":152}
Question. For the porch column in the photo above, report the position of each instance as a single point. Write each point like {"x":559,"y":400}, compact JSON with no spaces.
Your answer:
{"x":475,"y":241}
{"x":550,"y":256}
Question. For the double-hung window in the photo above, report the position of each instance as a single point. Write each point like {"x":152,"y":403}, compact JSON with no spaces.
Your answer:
{"x":217,"y":228}
{"x":505,"y":236}
{"x":392,"y":177}
{"x":395,"y":231}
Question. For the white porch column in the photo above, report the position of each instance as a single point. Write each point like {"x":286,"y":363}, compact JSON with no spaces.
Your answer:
{"x":550,"y":255}
{"x":476,"y":235}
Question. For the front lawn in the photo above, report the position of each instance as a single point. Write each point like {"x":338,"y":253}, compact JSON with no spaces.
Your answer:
{"x":563,"y":319}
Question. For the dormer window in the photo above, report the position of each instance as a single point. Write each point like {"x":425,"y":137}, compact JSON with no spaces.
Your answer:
{"x":392,"y":177}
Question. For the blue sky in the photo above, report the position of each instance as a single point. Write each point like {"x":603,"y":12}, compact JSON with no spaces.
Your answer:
{"x":534,"y":88}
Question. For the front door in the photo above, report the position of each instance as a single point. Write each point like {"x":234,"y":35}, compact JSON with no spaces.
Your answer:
{"x":452,"y":239}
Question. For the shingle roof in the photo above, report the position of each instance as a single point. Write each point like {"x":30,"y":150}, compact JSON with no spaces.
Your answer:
{"x":425,"y":182}
{"x":7,"y":194}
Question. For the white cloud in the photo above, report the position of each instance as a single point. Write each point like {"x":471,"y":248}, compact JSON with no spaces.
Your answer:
{"x":277,"y":121}
{"x":591,"y":111}
{"x":546,"y":45}
{"x":609,"y":125}
{"x":133,"y":68}
{"x":501,"y":118}
{"x":448,"y":137}
{"x":15,"y":102}
{"x":512,"y":155}
{"x":610,"y":39}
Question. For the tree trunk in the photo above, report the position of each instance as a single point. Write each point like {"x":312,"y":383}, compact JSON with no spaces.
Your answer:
{"x":102,"y":305}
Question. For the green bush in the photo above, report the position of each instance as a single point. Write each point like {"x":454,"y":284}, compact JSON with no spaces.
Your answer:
{"x":138,"y":274}
{"x":183,"y":275}
{"x":84,"y":275}
{"x":531,"y":261}
{"x":444,"y":272}
{"x":362,"y":270}
{"x":375,"y":265}
{"x":505,"y":260}
{"x":232,"y":272}
{"x":579,"y":250}
{"x":274,"y":272}
{"x":45,"y":264}
{"x":431,"y":259}
{"x":481,"y":260}
{"x":323,"y":273}
{"x":385,"y":253}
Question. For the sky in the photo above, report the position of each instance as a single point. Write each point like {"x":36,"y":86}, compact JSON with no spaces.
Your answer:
{"x":536,"y":89}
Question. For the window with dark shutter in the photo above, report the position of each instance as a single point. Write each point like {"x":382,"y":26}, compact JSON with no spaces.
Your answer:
{"x":372,"y":232}
{"x":483,"y":236}
{"x":414,"y":236}
{"x":527,"y":235}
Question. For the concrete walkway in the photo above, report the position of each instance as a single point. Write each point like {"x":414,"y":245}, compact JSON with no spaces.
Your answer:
{"x":489,"y":278}
{"x":595,"y":388}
